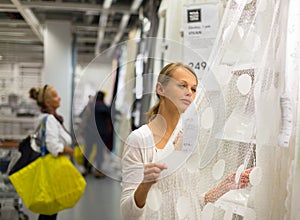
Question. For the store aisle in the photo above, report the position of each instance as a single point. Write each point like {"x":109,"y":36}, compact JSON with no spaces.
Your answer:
{"x":101,"y":201}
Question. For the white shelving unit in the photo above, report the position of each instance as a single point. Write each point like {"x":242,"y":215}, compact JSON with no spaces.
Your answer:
{"x":15,"y":128}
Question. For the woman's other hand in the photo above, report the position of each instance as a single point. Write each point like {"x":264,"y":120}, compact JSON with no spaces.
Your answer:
{"x":152,"y":172}
{"x":229,"y":183}
{"x":151,"y":175}
{"x":68,"y":151}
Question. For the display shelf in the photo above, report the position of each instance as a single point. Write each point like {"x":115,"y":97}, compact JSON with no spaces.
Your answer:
{"x":14,"y":128}
{"x":17,"y":119}
{"x":9,"y":144}
{"x":235,"y":139}
{"x":236,"y":201}
{"x":11,"y":137}
{"x":235,"y":208}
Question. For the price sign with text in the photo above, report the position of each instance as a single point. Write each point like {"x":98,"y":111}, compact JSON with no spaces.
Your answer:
{"x":201,"y":24}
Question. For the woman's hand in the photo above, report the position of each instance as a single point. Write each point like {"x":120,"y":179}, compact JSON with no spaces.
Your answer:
{"x":228,"y":184}
{"x":244,"y":178}
{"x":151,"y":174}
{"x":68,"y":151}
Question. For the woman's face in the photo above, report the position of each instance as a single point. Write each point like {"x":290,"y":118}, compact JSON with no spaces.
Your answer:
{"x":181,"y":89}
{"x":53,"y":99}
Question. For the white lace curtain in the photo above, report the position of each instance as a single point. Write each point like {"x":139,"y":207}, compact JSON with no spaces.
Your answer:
{"x":255,"y":66}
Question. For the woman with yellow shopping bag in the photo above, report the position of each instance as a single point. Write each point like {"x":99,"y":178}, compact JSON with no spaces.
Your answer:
{"x":53,"y":171}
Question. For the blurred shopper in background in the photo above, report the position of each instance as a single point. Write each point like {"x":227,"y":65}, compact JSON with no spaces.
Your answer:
{"x":58,"y":139}
{"x":97,"y":129}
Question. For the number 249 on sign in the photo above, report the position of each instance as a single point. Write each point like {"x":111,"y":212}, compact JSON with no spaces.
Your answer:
{"x":198,"y":65}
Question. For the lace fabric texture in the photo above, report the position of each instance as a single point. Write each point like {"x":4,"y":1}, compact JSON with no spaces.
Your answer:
{"x":248,"y":65}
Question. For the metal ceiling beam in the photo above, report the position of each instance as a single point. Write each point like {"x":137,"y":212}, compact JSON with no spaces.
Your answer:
{"x":77,"y":7}
{"x":124,"y":22}
{"x":28,"y":39}
{"x":7,"y":8}
{"x":7,"y":5}
{"x":24,"y":54}
{"x":96,"y":28}
{"x":85,"y":47}
{"x":15,"y":30}
{"x":30,"y":18}
{"x":17,"y":36}
{"x":13,"y":23}
{"x":20,"y":47}
{"x":86,"y":39}
{"x":102,"y":26}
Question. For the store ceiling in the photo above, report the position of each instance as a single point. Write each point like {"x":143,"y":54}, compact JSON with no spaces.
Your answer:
{"x":97,"y":25}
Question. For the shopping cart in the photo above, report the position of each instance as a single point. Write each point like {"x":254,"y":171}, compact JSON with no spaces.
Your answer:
{"x":10,"y":203}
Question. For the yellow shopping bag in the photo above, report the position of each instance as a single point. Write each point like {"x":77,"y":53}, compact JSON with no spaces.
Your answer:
{"x":49,"y":184}
{"x":78,"y":154}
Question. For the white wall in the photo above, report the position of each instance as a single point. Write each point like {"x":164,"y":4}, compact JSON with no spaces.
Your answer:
{"x":58,"y":63}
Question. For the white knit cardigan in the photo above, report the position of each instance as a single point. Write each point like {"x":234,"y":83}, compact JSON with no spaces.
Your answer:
{"x":177,"y":194}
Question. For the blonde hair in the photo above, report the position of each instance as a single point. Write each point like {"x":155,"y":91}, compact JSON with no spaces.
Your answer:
{"x":163,"y":78}
{"x":40,"y":94}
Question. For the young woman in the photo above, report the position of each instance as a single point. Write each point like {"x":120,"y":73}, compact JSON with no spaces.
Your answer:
{"x":145,"y":147}
{"x":58,"y":139}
